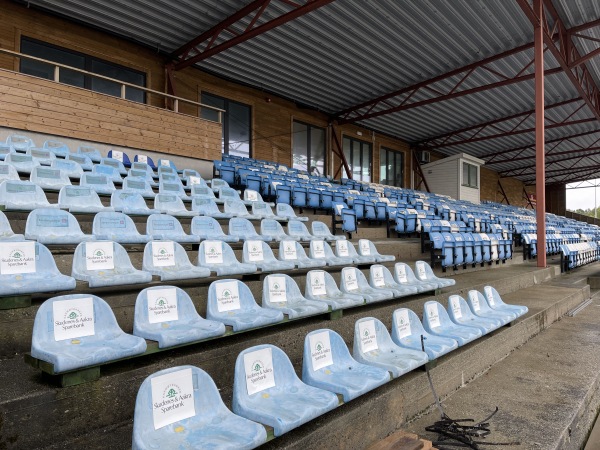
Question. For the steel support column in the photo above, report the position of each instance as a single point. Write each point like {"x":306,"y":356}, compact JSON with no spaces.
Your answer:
{"x":540,"y":170}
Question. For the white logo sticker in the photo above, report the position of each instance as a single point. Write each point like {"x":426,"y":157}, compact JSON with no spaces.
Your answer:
{"x":455,"y":305}
{"x":317,"y":283}
{"x":99,"y":256}
{"x":403,"y":324}
{"x":339,"y":208}
{"x":433,"y":315}
{"x":289,"y":250}
{"x":342,"y":248}
{"x":142,"y":159}
{"x":368,"y":336}
{"x":320,"y":350}
{"x":365,"y":248}
{"x":172,"y":398}
{"x":213,"y":252}
{"x":117,"y":155}
{"x":318,"y":249}
{"x":165,"y":162}
{"x":421,"y":275}
{"x":489,"y":295}
{"x":251,"y":195}
{"x":378,"y":278}
{"x":73,"y":318}
{"x":350,"y":280}
{"x":163,"y":254}
{"x":17,"y":257}
{"x":474,"y":297}
{"x":255,"y":251}
{"x":162,"y":305}
{"x":193,"y":180}
{"x":228,"y":296}
{"x":277,"y":291}
{"x":258,"y":368}
{"x":401,"y":273}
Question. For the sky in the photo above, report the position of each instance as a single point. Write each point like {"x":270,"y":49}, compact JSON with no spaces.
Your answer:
{"x":582,"y":198}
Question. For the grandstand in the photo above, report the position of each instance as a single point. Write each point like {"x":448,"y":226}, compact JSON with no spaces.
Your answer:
{"x":221,"y":226}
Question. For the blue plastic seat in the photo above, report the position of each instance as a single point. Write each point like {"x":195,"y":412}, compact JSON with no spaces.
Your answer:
{"x":345,"y":249}
{"x":260,"y":254}
{"x":117,"y":227}
{"x":165,"y":227}
{"x":217,"y":184}
{"x":80,"y":199}
{"x":23,"y":195}
{"x":381,"y":278}
{"x":461,"y":314}
{"x":138,"y":185}
{"x":19,"y":142}
{"x":8,"y":173}
{"x":220,"y":258}
{"x":208,"y":228}
{"x":286,"y":211}
{"x":437,"y":322}
{"x":6,"y":232}
{"x":163,"y":162}
{"x":84,"y":161}
{"x":353,"y":281}
{"x":237,"y":208}
{"x":273,"y":229}
{"x":36,"y":271}
{"x":262,"y":210}
{"x":298,"y":231}
{"x":130,"y":204}
{"x":173,"y":205}
{"x":481,"y":308}
{"x":407,"y":330}
{"x":244,"y":230}
{"x":90,"y":152}
{"x":169,"y":261}
{"x":5,"y":150}
{"x":283,"y":194}
{"x":54,"y":226}
{"x":203,"y":191}
{"x":101,"y":184}
{"x":283,"y":401}
{"x":281,"y":292}
{"x":321,"y":231}
{"x":327,"y":364}
{"x":290,"y":250}
{"x":321,"y":286}
{"x":116,"y":164}
{"x":105,"y":263}
{"x":98,"y":338}
{"x":145,"y":160}
{"x":49,"y":179}
{"x":23,"y":163}
{"x":58,"y":148}
{"x":405,"y":276}
{"x":166,"y":170}
{"x":207,"y":207}
{"x":120,"y":156}
{"x":251,"y":196}
{"x":232,"y":302}
{"x":42,"y":156}
{"x":424,"y":273}
{"x":367,"y":248}
{"x":321,"y":250}
{"x":70,"y":168}
{"x":139,"y":165}
{"x":374,"y":346}
{"x":495,"y":302}
{"x":173,"y":188}
{"x":112,"y":173}
{"x":143,"y":175}
{"x":227,"y":193}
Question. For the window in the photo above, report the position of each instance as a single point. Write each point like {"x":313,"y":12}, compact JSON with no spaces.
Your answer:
{"x":469,"y":175}
{"x":236,"y":138}
{"x":391,"y":167}
{"x":80,"y":61}
{"x":358,"y":156}
{"x":308,"y":148}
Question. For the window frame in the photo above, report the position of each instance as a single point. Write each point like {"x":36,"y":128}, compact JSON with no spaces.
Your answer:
{"x":309,"y":128}
{"x":467,"y":183}
{"x":388,"y":151}
{"x":362,"y":144}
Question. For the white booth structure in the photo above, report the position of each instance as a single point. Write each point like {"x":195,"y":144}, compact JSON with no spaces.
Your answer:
{"x":457,"y":176}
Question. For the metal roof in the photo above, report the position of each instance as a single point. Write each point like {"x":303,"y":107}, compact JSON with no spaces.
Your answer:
{"x":352,"y":51}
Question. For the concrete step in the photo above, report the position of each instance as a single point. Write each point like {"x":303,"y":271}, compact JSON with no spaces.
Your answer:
{"x":35,"y":414}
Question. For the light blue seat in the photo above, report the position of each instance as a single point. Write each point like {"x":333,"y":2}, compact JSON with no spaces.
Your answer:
{"x":321,"y":231}
{"x":290,"y":250}
{"x":217,"y":183}
{"x":220,"y":258}
{"x":208,"y":228}
{"x":423,"y":272}
{"x":321,"y":286}
{"x":144,"y":159}
{"x":105,"y":263}
{"x":380,"y":277}
{"x":6,"y":232}
{"x":327,"y":364}
{"x":58,"y":148}
{"x":70,"y":168}
{"x":481,"y":308}
{"x":164,"y":227}
{"x":117,"y":227}
{"x":437,"y":322}
{"x":49,"y":179}
{"x":144,"y":175}
{"x":273,"y":229}
{"x":173,"y":188}
{"x":281,"y":292}
{"x":54,"y":226}
{"x":166,"y":171}
{"x":138,"y":185}
{"x":169,"y":261}
{"x":8,"y":172}
{"x":353,"y":281}
{"x":345,"y":249}
{"x":495,"y":302}
{"x":166,"y":314}
{"x":203,"y":191}
{"x":91,"y":152}
{"x":81,"y":199}
{"x":83,"y":160}
{"x":367,"y":248}
{"x":232,"y":303}
{"x":173,"y":205}
{"x":187,"y":173}
{"x":260,"y":254}
{"x":19,"y":142}
{"x":166,"y":163}
{"x":40,"y":275}
{"x":41,"y":155}
{"x":23,"y":163}
{"x":287,"y":402}
{"x":287,"y":212}
{"x":112,"y":173}
{"x":113,"y":162}
{"x":101,"y":184}
{"x":207,"y":207}
{"x":461,"y":314}
{"x":262,"y":210}
{"x":23,"y":195}
{"x":98,"y":340}
{"x":407,"y":330}
{"x":212,"y":426}
{"x":138,"y":165}
{"x":374,"y":346}
{"x":237,"y":208}
{"x":244,"y":230}
{"x":297,"y":230}
{"x":130,"y":204}
{"x":404,"y":275}
{"x":5,"y":150}
{"x":251,"y":196}
{"x":321,"y":250}
{"x":226,"y":193}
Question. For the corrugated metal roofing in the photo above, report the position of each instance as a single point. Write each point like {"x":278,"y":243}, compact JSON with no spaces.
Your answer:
{"x":351,"y":51}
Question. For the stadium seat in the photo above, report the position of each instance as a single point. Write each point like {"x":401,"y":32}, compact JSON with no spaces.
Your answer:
{"x":70,"y":168}
{"x":5,"y":150}
{"x":23,"y":163}
{"x":327,"y":364}
{"x":164,"y":227}
{"x":202,"y":191}
{"x":120,"y":156}
{"x":96,"y":339}
{"x":405,"y":276}
{"x":90,"y":152}
{"x":116,"y":164}
{"x":207,"y":207}
{"x":424,"y":273}
{"x":138,"y":165}
{"x":81,"y":199}
{"x":244,"y":230}
{"x":321,"y":231}
{"x":283,"y":194}
{"x":173,"y":205}
{"x":208,"y":228}
{"x":495,"y":302}
{"x":260,"y":254}
{"x":146,"y":176}
{"x":298,"y":231}
{"x":101,"y":184}
{"x":6,"y":232}
{"x":220,"y":258}
{"x":19,"y":142}
{"x":23,"y":195}
{"x":237,"y":208}
{"x":138,"y":185}
{"x":345,"y":249}
{"x":321,"y":250}
{"x":286,"y":211}
{"x":374,"y":346}
{"x":279,"y":399}
{"x":480,"y":307}
{"x":54,"y":226}
{"x":290,"y":250}
{"x":437,"y":322}
{"x":232,"y":303}
{"x":173,"y":188}
{"x":353,"y":281}
{"x":162,"y":163}
{"x":367,"y":248}
{"x":8,"y":172}
{"x":281,"y":292}
{"x":49,"y":179}
{"x":251,"y":196}
{"x":112,"y":173}
{"x":144,"y":159}
{"x":84,"y":161}
{"x":321,"y":286}
{"x":217,"y":184}
{"x":273,"y":229}
{"x":262,"y":210}
{"x":461,"y":314}
{"x":29,"y":269}
{"x":117,"y":227}
{"x":105,"y":263}
{"x":43,"y":156}
{"x":381,"y":278}
{"x":58,"y":148}
{"x":169,"y":261}
{"x":407,"y":331}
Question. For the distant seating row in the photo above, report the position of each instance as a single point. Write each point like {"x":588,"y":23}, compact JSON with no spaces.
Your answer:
{"x":576,"y":255}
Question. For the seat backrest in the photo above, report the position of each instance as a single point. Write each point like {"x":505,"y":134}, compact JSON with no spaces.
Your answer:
{"x":158,"y":254}
{"x":78,"y":196}
{"x":320,"y":229}
{"x":8,"y":172}
{"x":227,"y":193}
{"x":120,"y":156}
{"x":353,"y":279}
{"x":278,"y":289}
{"x":324,"y":348}
{"x":229,"y":295}
{"x":111,"y":172}
{"x":127,"y":200}
{"x":262,"y":209}
{"x":166,"y":163}
{"x":370,"y":334}
{"x":57,"y":147}
{"x":142,"y":166}
{"x":405,"y":323}
{"x":423,"y":271}
{"x":171,"y":187}
{"x":168,"y":202}
{"x":344,"y":249}
{"x":256,"y":252}
{"x":403,"y":274}
{"x":70,"y":168}
{"x":251,"y":195}
{"x":91,"y":152}
{"x":216,"y":253}
{"x":137,"y":184}
{"x":202,"y":191}
{"x":114,"y":163}
{"x":50,"y":221}
{"x":113,"y":223}
{"x":380,"y":276}
{"x":206,"y":227}
{"x":297,"y":228}
{"x":21,"y":162}
{"x":83,"y":160}
{"x":21,"y":192}
{"x":270,"y":227}
{"x":204,"y":206}
{"x":96,"y":256}
{"x":241,"y":226}
{"x":217,"y":183}
{"x":320,"y":283}
{"x":42,"y":155}
{"x":291,"y":251}
{"x":320,"y":249}
{"x":237,"y":207}
{"x":285,"y":210}
{"x":163,"y":223}
{"x":366,"y":248}
{"x":20,"y":142}
{"x":146,"y":160}
{"x":48,"y":177}
{"x":6,"y":231}
{"x":435,"y":315}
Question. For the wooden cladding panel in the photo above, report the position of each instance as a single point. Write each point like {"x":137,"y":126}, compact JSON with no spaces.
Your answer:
{"x":40,"y":105}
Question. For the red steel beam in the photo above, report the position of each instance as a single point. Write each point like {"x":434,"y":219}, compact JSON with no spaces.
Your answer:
{"x":184,"y":53}
{"x":524,"y":170}
{"x":575,"y":170}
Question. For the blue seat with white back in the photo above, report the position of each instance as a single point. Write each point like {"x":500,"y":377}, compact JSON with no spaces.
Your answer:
{"x":118,"y":227}
{"x":145,"y":160}
{"x":120,"y":156}
{"x":169,"y":261}
{"x":220,"y":258}
{"x":54,"y":226}
{"x":281,"y":292}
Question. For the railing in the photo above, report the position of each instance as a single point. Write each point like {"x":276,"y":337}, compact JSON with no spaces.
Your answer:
{"x":124,"y":85}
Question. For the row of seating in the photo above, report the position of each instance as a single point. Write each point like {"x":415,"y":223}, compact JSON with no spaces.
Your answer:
{"x":267,"y":390}
{"x":576,"y":255}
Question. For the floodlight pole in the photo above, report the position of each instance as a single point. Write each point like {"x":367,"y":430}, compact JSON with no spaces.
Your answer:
{"x":540,"y":169}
